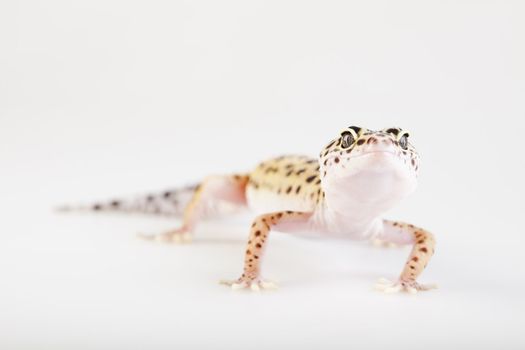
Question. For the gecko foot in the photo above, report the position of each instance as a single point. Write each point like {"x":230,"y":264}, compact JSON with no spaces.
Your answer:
{"x":411,"y":287}
{"x":248,"y":283}
{"x":179,"y":236}
{"x":383,"y":244}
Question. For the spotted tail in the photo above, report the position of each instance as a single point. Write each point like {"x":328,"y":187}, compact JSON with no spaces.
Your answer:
{"x":168,"y":203}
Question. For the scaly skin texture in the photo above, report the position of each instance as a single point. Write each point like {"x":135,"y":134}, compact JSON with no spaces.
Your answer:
{"x":358,"y":176}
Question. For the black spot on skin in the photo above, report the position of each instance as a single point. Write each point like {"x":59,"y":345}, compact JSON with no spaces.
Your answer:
{"x":298,"y":189}
{"x":424,"y":250}
{"x":289,"y":173}
{"x":299,"y":172}
{"x":318,"y":181}
{"x":289,"y":166}
{"x":257,"y":233}
{"x":289,"y":189}
{"x":97,"y":207}
{"x":371,"y":140}
{"x":355,"y":128}
{"x":336,"y":159}
{"x":330,"y":144}
{"x":115,"y":204}
{"x":393,"y":131}
{"x":311,"y":161}
{"x":272,"y":170}
{"x":258,"y":245}
{"x":360,"y":142}
{"x":167,"y":194}
{"x":311,"y":178}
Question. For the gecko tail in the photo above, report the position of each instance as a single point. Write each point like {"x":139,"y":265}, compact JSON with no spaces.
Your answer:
{"x":171,"y":202}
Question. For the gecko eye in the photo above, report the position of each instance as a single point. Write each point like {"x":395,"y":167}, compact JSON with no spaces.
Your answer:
{"x":347,"y":139}
{"x":403,"y":141}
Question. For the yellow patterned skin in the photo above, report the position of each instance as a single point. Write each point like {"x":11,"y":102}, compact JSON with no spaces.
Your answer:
{"x":285,"y":183}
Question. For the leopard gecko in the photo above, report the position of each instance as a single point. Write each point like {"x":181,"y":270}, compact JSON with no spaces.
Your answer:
{"x":358,"y":176}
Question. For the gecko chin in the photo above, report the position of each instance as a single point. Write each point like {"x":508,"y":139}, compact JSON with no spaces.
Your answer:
{"x":378,"y":179}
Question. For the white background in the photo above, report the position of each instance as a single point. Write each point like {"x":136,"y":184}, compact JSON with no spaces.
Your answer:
{"x":100,"y":98}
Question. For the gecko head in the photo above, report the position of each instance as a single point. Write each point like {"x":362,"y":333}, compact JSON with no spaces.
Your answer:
{"x":373,"y":165}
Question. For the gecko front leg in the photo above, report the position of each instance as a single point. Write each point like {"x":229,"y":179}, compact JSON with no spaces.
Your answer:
{"x":214,"y":189}
{"x":260,"y":229}
{"x":423,"y":249}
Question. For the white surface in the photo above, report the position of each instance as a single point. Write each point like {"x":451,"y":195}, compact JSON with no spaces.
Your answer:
{"x":103,"y":98}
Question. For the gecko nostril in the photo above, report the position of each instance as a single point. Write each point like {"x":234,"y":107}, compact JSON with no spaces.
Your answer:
{"x":371,"y":140}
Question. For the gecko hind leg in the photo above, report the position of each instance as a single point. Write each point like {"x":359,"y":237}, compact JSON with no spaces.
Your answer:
{"x":213,"y":190}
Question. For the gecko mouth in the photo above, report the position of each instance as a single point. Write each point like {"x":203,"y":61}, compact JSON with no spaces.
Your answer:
{"x":373,"y":153}
{"x":366,"y":154}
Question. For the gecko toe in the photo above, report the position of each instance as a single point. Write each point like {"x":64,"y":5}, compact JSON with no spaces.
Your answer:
{"x":254,"y":285}
{"x":237,"y":286}
{"x":269,"y":285}
{"x":411,"y":290}
{"x":411,"y":287}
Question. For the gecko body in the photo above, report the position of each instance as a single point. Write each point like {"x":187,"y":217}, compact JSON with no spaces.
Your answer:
{"x":358,"y":176}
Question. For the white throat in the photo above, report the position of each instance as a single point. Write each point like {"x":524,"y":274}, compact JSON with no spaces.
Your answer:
{"x":365,"y":194}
